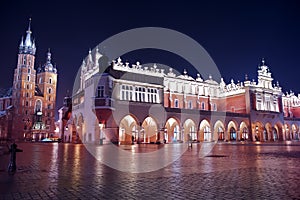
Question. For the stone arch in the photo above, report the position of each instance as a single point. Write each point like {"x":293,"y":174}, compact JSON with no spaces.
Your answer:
{"x":190,"y":130}
{"x":126,"y":132}
{"x":205,"y":131}
{"x":257,"y":130}
{"x":149,"y":132}
{"x":219,"y":131}
{"x":172,"y":129}
{"x":268,"y":131}
{"x":244,"y":131}
{"x":279,"y":131}
{"x":232,"y":131}
{"x":287,"y":131}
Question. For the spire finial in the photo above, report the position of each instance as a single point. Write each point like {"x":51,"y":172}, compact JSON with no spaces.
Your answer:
{"x":29,"y":24}
{"x":263,"y":61}
{"x":48,"y":56}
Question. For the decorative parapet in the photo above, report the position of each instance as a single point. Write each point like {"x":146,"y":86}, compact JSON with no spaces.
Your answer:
{"x":291,"y":100}
{"x":231,"y":88}
{"x":137,"y":68}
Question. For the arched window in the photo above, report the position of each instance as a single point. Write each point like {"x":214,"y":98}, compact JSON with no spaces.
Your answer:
{"x":28,"y":78}
{"x":28,"y":70}
{"x":50,"y":80}
{"x":41,"y":80}
{"x":38,"y":106}
{"x":49,"y":90}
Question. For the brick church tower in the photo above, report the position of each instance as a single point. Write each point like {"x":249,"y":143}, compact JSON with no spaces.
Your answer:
{"x":33,"y":94}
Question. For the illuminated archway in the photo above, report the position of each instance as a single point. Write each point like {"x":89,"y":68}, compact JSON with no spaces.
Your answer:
{"x":127,"y":130}
{"x":219,"y":131}
{"x":149,"y":133}
{"x":294,"y":132}
{"x":279,"y":130}
{"x":205,"y":131}
{"x":257,"y":130}
{"x":232,"y":131}
{"x":172,"y":132}
{"x":189,"y":129}
{"x":287,"y":131}
{"x":268,"y":132}
{"x":244,"y":132}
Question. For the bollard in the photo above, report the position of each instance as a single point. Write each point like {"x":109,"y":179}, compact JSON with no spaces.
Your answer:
{"x":12,"y":167}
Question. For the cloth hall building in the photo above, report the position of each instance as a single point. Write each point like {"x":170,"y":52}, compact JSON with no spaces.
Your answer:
{"x":150,"y":105}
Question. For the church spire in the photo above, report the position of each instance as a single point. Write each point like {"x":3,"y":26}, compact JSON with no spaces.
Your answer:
{"x":28,"y":41}
{"x":27,"y":46}
{"x":49,"y":56}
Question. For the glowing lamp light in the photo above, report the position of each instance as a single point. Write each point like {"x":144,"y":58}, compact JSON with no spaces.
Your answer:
{"x":101,"y":125}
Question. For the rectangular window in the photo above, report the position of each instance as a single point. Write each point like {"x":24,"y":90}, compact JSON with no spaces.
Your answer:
{"x":190,"y":104}
{"x":176,"y":103}
{"x":214,"y":107}
{"x":100,"y":91}
{"x":202,"y":105}
{"x":232,"y":109}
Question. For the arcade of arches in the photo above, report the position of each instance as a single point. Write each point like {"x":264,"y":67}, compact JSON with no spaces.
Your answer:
{"x":174,"y":130}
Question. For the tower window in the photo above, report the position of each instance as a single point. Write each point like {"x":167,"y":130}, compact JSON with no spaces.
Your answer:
{"x":28,"y":78}
{"x":49,"y":90}
{"x":27,"y":86}
{"x":40,"y":81}
{"x":49,"y":98}
{"x":26,"y":103}
{"x":50,"y":80}
{"x":28,"y":70}
{"x":38,"y":105}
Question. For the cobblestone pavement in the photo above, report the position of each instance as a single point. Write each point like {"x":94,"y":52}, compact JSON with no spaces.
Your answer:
{"x":230,"y":171}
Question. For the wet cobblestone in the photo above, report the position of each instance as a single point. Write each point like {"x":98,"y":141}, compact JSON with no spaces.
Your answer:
{"x":230,"y":171}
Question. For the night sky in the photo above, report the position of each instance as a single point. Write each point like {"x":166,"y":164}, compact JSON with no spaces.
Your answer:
{"x":236,"y":34}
